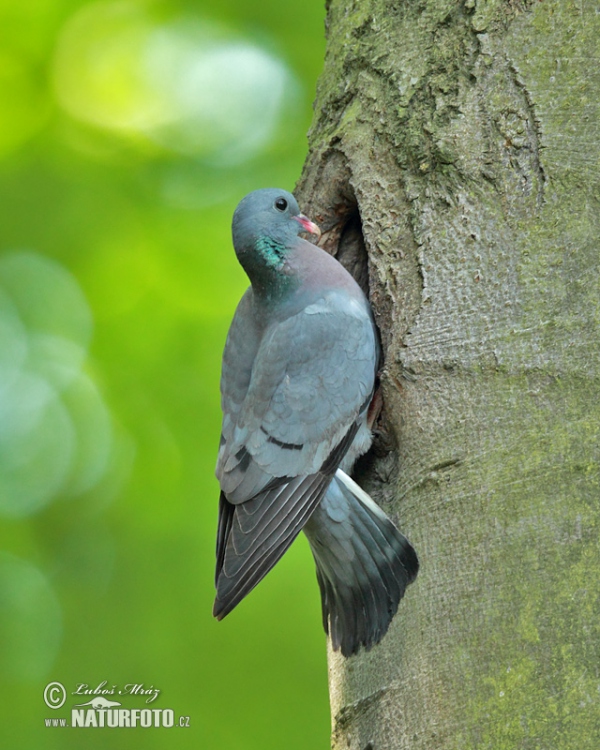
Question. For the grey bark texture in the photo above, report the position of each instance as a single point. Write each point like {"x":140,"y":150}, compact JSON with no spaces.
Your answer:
{"x":454,"y":165}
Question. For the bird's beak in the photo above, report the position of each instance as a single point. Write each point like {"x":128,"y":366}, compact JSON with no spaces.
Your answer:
{"x":307,"y":225}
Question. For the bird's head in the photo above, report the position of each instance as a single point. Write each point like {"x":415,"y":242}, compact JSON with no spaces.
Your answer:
{"x":266,"y":224}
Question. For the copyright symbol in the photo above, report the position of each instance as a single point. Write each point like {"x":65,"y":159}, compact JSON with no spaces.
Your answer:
{"x":55,"y":695}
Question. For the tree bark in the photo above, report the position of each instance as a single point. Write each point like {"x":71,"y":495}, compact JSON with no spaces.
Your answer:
{"x":454,"y":165}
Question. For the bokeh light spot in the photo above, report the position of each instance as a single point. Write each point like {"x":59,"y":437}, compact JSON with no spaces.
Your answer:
{"x":30,"y":621}
{"x":36,"y":446}
{"x":55,"y":431}
{"x":13,"y":342}
{"x":97,"y":71}
{"x":47,"y":297}
{"x":226,"y":94}
{"x":189,"y":85}
{"x":92,"y":425}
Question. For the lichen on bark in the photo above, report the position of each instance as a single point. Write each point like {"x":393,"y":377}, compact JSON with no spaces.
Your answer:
{"x":453,"y":164}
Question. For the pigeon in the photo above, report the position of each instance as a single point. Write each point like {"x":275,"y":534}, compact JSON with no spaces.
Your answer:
{"x":298,"y":377}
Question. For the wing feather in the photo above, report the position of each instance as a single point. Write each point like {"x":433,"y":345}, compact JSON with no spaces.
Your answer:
{"x":301,"y":398}
{"x":254,"y":535}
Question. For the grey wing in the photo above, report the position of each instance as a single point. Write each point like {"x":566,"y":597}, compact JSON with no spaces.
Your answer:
{"x":252,"y":536}
{"x":243,"y":341}
{"x":310,"y":386}
{"x":312,"y":377}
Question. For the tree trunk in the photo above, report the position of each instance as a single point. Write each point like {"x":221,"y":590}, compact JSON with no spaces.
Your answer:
{"x":455,"y":167}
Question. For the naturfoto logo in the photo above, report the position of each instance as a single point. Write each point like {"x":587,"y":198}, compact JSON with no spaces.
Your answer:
{"x":102,"y":711}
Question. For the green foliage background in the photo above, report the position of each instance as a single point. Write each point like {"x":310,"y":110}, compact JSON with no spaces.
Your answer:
{"x":110,"y":575}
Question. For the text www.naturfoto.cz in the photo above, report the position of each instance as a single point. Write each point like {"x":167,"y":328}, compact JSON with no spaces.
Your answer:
{"x":122,"y":717}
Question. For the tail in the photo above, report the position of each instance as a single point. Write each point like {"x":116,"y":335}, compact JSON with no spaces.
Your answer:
{"x":364,"y":565}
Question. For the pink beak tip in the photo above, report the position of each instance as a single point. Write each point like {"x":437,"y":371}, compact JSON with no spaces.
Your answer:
{"x":308,"y":225}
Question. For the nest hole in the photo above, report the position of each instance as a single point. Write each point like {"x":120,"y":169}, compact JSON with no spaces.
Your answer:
{"x":351,"y":250}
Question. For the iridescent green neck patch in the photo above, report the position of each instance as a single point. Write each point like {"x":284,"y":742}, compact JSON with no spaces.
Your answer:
{"x":271,"y":251}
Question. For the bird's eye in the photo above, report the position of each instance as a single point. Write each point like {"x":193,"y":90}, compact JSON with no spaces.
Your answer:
{"x":281,"y":204}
